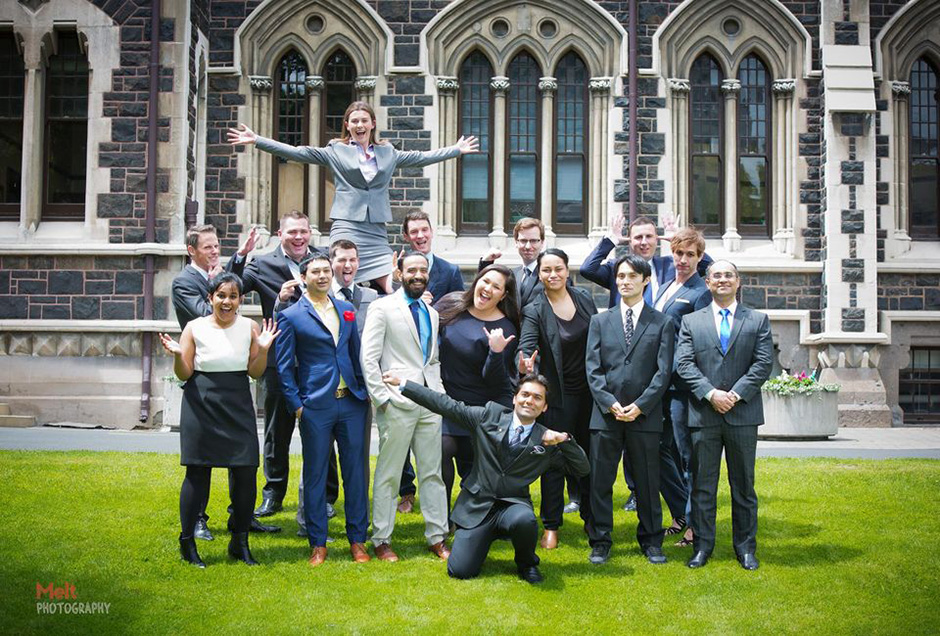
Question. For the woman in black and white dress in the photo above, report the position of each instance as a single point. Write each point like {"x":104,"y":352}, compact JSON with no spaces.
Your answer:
{"x":215,"y":356}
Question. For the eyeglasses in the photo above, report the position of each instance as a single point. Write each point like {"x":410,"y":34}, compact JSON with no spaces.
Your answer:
{"x":528,"y":241}
{"x":721,"y":275}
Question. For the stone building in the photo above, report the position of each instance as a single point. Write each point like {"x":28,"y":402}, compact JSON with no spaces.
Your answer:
{"x":802,"y":137}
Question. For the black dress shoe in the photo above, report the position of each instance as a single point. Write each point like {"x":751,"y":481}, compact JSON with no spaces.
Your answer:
{"x":257,"y":526}
{"x":530,"y":574}
{"x":238,"y":548}
{"x":189,"y":553}
{"x":655,"y":555}
{"x":698,"y":560}
{"x":330,"y":511}
{"x":600,"y":553}
{"x":630,"y":506}
{"x":748,"y":561}
{"x":201,"y":531}
{"x":268,"y":507}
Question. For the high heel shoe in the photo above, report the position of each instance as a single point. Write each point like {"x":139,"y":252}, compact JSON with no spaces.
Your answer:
{"x":238,"y":548}
{"x":189,"y":553}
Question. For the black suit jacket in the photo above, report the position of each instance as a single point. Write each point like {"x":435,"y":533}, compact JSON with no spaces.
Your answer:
{"x":639,"y":374}
{"x":190,"y":294}
{"x":540,"y":331}
{"x":497,"y":475}
{"x":443,"y":278}
{"x":743,"y":368}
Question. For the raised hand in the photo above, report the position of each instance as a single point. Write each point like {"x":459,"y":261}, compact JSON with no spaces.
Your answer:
{"x":287,"y":290}
{"x":497,"y":341}
{"x":250,"y":242}
{"x":268,"y":333}
{"x":668,"y":217}
{"x":616,"y":230}
{"x":215,"y":271}
{"x":396,"y":273}
{"x":468,"y":144}
{"x":552,"y":438}
{"x":241,"y":136}
{"x":172,"y":346}
{"x":427,"y":297}
{"x":491,"y":254}
{"x":527,"y":365}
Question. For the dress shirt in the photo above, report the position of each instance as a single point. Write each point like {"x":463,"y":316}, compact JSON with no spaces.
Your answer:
{"x":330,"y":317}
{"x":337,"y":290}
{"x":526,"y":430}
{"x":674,"y":286}
{"x":367,"y":163}
{"x":637,"y":308}
{"x":716,"y":309}
{"x":425,"y":317}
{"x":204,"y":273}
{"x":654,"y":282}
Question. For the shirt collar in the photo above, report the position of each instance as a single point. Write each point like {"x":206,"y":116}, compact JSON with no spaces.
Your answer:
{"x":637,"y":308}
{"x":526,"y":430}
{"x":717,"y":310}
{"x":204,"y":273}
{"x":337,"y":287}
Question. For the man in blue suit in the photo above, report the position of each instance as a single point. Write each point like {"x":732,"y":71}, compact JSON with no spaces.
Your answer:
{"x":318,"y":364}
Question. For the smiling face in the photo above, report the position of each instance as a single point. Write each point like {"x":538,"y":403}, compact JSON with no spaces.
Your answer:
{"x":553,"y":272}
{"x":414,"y":275}
{"x":205,"y":255}
{"x":419,"y":235}
{"x":318,"y":277}
{"x":643,"y":241}
{"x":225,"y":302}
{"x":529,"y":402}
{"x":360,"y":125}
{"x":723,"y":282}
{"x":295,"y":237}
{"x":345,"y":265}
{"x":489,"y":290}
{"x":630,"y":284}
{"x":529,"y":244}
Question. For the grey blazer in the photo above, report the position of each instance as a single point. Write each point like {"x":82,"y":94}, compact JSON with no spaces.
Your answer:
{"x":743,"y":369}
{"x":357,"y":199}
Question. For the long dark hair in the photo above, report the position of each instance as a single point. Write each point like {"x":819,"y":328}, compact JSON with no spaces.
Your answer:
{"x":507,"y":303}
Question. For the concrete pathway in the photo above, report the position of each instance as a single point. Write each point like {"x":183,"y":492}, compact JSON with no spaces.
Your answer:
{"x":861,"y":443}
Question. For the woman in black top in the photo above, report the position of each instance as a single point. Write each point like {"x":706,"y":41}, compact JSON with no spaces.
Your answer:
{"x":477,"y":350}
{"x":553,"y":341}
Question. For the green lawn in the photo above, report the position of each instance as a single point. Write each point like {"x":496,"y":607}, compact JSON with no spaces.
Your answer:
{"x":845,"y":547}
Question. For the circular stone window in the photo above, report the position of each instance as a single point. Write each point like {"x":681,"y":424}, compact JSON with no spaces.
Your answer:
{"x":548,"y":28}
{"x":315,"y":24}
{"x":500,"y":28}
{"x":731,"y":27}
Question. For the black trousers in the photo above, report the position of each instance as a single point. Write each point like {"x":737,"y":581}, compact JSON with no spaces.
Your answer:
{"x":455,"y":450}
{"x":573,"y":417}
{"x":740,"y":447}
{"x":194,"y":492}
{"x":278,"y":430}
{"x":515,"y":522}
{"x":607,"y":446}
{"x":407,"y":485}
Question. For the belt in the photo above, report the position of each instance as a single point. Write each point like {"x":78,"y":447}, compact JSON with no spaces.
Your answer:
{"x":341,"y":393}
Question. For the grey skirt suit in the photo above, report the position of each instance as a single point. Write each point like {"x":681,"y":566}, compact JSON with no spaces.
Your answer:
{"x":361,"y":208}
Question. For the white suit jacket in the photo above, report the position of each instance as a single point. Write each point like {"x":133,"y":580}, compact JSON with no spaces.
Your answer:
{"x":390,"y":344}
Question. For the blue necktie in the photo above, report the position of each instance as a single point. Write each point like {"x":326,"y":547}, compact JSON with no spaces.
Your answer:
{"x":422,"y":337}
{"x":724,"y":331}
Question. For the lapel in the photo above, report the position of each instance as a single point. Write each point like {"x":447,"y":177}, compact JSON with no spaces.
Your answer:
{"x":550,"y":324}
{"x":709,"y":326}
{"x":646,"y":317}
{"x":686,"y":290}
{"x":349,"y":159}
{"x":198,"y":279}
{"x":408,"y":319}
{"x":616,"y":324}
{"x":357,"y":296}
{"x":740,"y":315}
{"x":316,"y":317}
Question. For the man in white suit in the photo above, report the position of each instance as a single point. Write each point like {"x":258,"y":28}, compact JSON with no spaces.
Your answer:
{"x":400,"y":336}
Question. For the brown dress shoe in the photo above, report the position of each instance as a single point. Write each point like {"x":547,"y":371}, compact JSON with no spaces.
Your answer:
{"x":318,"y":556}
{"x":549,"y":540}
{"x":440,"y":549}
{"x":384,"y":552}
{"x":406,"y":504}
{"x":358,"y":552}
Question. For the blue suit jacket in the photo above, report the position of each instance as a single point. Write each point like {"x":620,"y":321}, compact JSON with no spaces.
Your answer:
{"x":602,"y":273}
{"x":443,"y":278}
{"x":305,"y":341}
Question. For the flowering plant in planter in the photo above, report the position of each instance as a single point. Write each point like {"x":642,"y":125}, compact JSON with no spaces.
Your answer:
{"x":786,"y":384}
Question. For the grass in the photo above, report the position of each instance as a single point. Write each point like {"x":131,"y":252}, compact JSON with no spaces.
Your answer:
{"x":845,"y":547}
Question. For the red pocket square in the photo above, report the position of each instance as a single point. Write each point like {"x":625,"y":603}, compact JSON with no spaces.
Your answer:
{"x":349,"y":316}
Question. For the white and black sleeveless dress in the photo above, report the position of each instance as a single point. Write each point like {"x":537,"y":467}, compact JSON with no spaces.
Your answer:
{"x":217,"y":419}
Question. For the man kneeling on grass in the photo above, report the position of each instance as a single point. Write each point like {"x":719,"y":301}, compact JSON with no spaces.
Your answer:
{"x":510,"y":451}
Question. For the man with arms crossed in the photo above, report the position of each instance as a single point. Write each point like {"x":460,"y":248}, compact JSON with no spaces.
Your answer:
{"x":401,"y":336}
{"x":511,"y":450}
{"x":724,"y":354}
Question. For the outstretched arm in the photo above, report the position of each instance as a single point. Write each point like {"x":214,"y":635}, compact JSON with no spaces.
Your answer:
{"x":245,"y":136}
{"x":416,"y":158}
{"x":468,"y":417}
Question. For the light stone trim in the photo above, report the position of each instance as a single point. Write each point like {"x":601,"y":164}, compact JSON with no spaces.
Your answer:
{"x":901,"y":90}
{"x":500,"y":84}
{"x":731,"y":87}
{"x":599,"y":84}
{"x":548,"y":85}
{"x":315,"y":83}
{"x":784,"y":87}
{"x":366,"y":82}
{"x":260,"y":83}
{"x":679,"y":86}
{"x":447,"y":84}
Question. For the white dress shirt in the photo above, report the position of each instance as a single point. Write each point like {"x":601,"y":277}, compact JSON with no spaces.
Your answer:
{"x":367,"y":163}
{"x":716,"y":310}
{"x":637,"y":308}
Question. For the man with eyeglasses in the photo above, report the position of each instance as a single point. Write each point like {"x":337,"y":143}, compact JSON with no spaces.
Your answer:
{"x":724,"y":355}
{"x":529,"y":235}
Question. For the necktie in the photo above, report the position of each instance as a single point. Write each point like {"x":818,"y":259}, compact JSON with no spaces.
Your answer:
{"x":724,"y":331}
{"x":347,"y":293}
{"x":422,"y":337}
{"x":628,"y":327}
{"x":517,"y":436}
{"x":527,"y":278}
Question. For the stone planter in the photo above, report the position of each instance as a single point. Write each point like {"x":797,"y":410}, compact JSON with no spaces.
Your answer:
{"x":813,"y":416}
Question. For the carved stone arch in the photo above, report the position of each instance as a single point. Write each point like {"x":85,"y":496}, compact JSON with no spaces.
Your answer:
{"x":570,"y":44}
{"x":524,"y":45}
{"x":330,"y":47}
{"x":767,"y":21}
{"x":913,"y":32}
{"x":481,"y":46}
{"x":713,"y":48}
{"x":276,"y":54}
{"x":767,"y":56}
